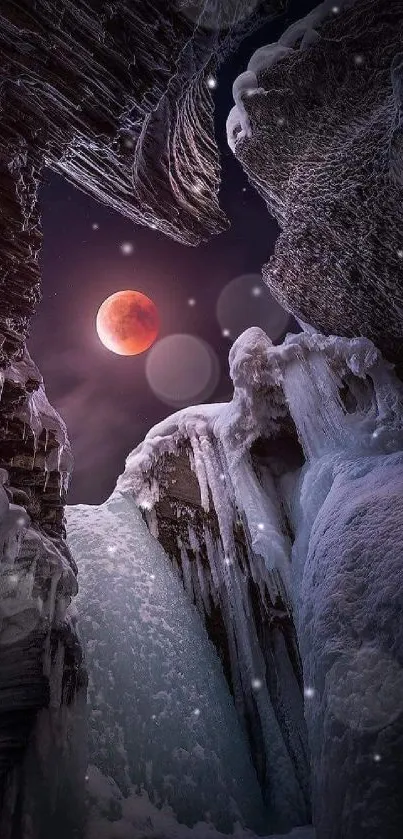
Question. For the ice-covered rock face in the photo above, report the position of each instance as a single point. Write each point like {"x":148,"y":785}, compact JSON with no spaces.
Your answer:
{"x":349,"y":552}
{"x":42,"y":680}
{"x":104,"y":93}
{"x":347,"y":563}
{"x":323,"y":534}
{"x":317,"y":128}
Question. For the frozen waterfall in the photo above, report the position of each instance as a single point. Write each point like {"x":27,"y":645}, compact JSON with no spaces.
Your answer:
{"x":327,"y":532}
{"x":162,"y":721}
{"x":280,"y":510}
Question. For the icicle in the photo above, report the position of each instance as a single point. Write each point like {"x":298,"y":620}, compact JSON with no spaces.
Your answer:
{"x":152,"y":522}
{"x":263,"y":518}
{"x":200,"y":470}
{"x":203,"y":585}
{"x":216,"y":573}
{"x":47,"y":473}
{"x":223,"y":509}
{"x":186,"y":573}
{"x":60,"y":449}
{"x":51,"y":601}
{"x":35,"y":447}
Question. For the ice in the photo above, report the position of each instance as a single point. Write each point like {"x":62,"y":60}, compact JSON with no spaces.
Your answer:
{"x":39,"y":416}
{"x":340,"y":573}
{"x":245,"y":84}
{"x":162,"y":720}
{"x":136,"y":816}
{"x":220,"y":438}
{"x":347,"y":557}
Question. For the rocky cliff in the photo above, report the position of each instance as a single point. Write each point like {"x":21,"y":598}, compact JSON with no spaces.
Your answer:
{"x":115,"y":97}
{"x":317,"y":127}
{"x":43,"y":682}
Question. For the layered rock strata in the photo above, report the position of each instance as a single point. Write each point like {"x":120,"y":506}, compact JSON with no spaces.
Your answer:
{"x":317,"y":127}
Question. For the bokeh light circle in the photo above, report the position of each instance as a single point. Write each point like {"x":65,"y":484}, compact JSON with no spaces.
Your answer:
{"x":216,"y":14}
{"x":246,"y":302}
{"x":182,"y":370}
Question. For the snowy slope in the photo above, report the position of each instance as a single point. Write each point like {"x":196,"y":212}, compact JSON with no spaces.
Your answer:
{"x":161,"y":716}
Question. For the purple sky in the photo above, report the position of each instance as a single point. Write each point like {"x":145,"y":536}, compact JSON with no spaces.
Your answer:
{"x":104,"y":398}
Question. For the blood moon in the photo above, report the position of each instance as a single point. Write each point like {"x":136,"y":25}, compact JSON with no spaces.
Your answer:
{"x":127,"y":322}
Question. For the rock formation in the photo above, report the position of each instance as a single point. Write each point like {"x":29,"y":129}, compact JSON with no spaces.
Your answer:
{"x":43,"y":682}
{"x":317,"y":127}
{"x":281,"y":512}
{"x":115,"y":97}
{"x":292,"y":522}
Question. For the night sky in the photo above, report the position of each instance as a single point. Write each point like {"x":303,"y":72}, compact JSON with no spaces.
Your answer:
{"x":104,"y":398}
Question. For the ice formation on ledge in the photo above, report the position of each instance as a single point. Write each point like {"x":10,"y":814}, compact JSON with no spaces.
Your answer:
{"x":42,"y":683}
{"x":39,"y":682}
{"x":325,"y":536}
{"x":270,"y":382}
{"x":38,"y":417}
{"x":317,"y":128}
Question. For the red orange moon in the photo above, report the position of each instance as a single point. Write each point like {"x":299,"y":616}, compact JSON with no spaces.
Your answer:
{"x":127,"y":322}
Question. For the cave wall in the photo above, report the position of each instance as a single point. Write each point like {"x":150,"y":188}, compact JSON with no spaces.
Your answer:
{"x":114,"y":97}
{"x":318,"y":130}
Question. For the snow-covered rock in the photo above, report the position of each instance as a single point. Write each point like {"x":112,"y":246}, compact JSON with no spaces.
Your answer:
{"x":42,"y":681}
{"x":324,"y":534}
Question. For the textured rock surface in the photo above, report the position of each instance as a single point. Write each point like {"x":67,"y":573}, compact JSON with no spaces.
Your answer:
{"x":325,"y":152}
{"x":115,"y":97}
{"x":42,"y":680}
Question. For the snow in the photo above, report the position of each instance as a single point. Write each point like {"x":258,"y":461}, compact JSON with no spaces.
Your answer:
{"x":162,"y":720}
{"x":339,"y":576}
{"x":136,"y":816}
{"x":348,"y":559}
{"x":245,"y":84}
{"x":219,"y":439}
{"x":38,"y":415}
{"x":304,"y":378}
{"x":26,"y":554}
